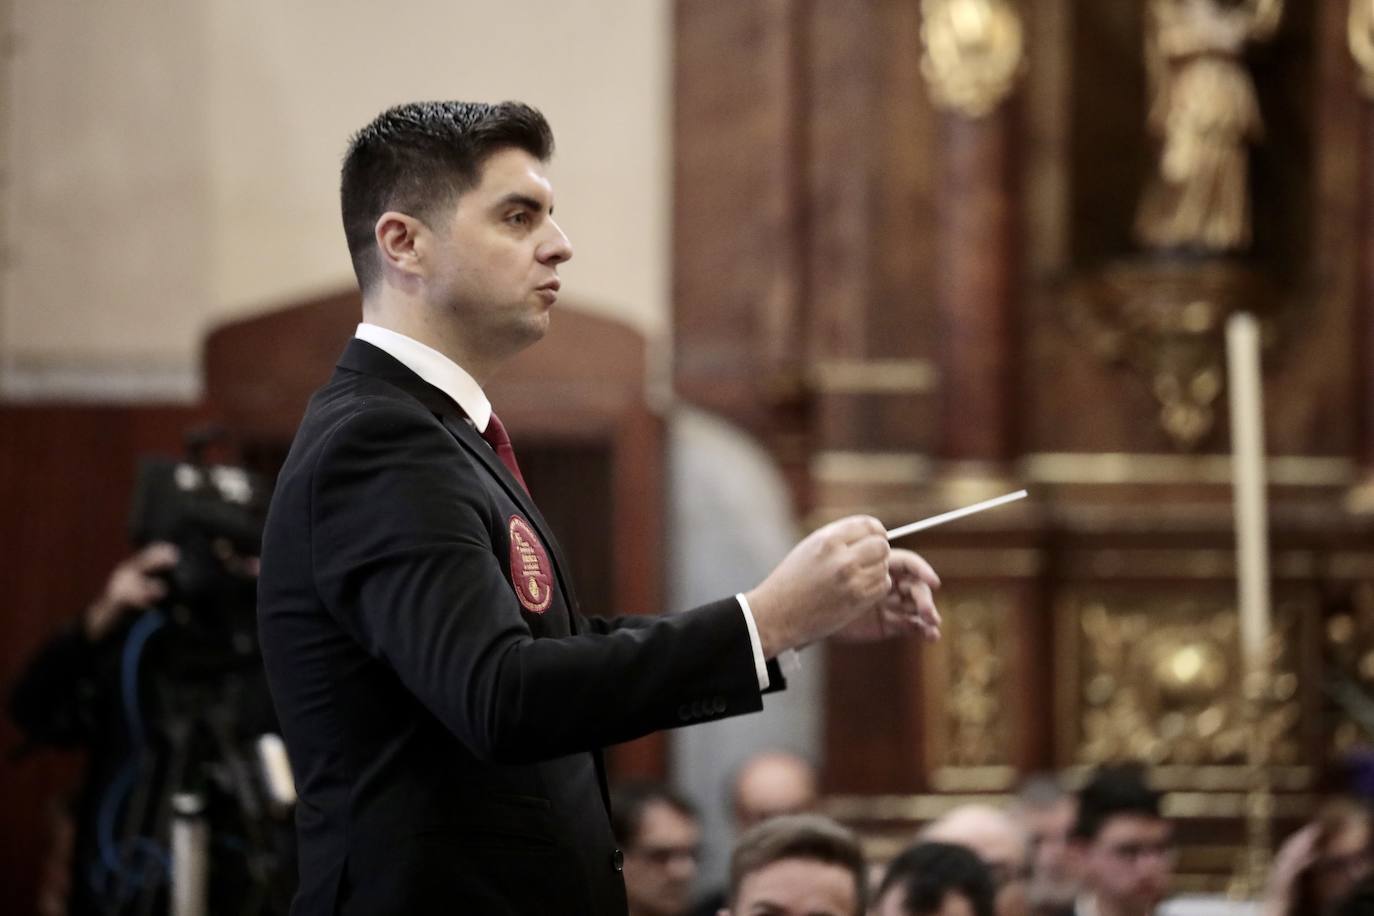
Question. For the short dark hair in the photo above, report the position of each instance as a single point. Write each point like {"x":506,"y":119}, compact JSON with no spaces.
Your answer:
{"x":418,"y":157}
{"x":630,"y":800}
{"x":1114,"y":790}
{"x":928,"y":872}
{"x":798,"y":836}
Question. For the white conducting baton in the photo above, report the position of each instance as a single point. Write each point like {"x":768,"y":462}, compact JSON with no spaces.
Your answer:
{"x":940,"y":519}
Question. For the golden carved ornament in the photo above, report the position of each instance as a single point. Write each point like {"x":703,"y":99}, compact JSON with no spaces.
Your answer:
{"x":972,"y":730}
{"x":1164,"y":320}
{"x":1349,"y":650}
{"x":1362,"y":42}
{"x":974,"y":51}
{"x":1158,"y":680}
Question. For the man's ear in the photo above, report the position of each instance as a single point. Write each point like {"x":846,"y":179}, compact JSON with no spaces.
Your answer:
{"x":400,"y":245}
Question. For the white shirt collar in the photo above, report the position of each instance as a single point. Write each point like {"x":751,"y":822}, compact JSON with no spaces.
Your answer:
{"x":434,"y":367}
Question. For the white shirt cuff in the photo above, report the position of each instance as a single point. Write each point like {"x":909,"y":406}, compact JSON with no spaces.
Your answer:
{"x":788,"y":660}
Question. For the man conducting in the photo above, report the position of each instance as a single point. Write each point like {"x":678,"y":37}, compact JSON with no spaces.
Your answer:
{"x":442,"y":696}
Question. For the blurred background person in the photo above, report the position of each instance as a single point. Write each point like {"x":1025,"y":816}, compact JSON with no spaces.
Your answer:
{"x":769,"y":784}
{"x":1319,"y":865}
{"x":660,"y":840}
{"x":936,"y":879}
{"x":998,"y":840}
{"x":68,"y":696}
{"x":1045,"y":811}
{"x":772,"y":784}
{"x":1121,"y":845}
{"x":802,"y":865}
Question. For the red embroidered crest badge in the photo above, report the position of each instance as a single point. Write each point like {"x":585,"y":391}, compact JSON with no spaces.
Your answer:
{"x":530,"y":570}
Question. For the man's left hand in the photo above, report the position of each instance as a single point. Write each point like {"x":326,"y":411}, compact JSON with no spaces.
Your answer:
{"x":908,"y":608}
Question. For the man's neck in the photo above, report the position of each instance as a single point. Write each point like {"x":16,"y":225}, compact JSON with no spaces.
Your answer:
{"x":412,"y":322}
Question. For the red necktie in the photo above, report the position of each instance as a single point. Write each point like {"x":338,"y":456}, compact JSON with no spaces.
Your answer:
{"x":499,"y":440}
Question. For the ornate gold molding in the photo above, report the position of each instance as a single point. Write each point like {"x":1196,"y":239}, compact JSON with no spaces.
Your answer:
{"x":994,"y":563}
{"x":1361,"y":38}
{"x":874,"y":376}
{"x":973,"y":779}
{"x":1085,"y":468}
{"x":1163,"y":468}
{"x":974,"y":51}
{"x":871,"y":467}
{"x":1170,"y":563}
{"x":1207,"y":779}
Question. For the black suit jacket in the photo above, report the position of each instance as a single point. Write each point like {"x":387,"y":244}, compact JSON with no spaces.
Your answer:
{"x":443,"y":717}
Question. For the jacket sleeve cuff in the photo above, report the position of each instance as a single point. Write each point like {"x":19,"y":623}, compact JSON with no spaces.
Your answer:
{"x":788,"y":661}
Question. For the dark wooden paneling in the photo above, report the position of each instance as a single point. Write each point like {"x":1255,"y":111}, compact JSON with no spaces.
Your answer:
{"x":739,"y":191}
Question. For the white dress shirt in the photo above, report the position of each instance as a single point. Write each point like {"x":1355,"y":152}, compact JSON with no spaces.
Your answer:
{"x":450,"y":378}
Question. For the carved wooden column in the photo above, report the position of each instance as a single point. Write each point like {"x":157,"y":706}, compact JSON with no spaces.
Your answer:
{"x":973,"y":54}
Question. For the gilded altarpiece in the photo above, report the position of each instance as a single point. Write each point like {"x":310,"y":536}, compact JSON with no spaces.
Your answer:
{"x":988,"y":259}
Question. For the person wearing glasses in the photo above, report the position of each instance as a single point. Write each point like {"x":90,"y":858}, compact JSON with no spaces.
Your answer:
{"x":659,"y":833}
{"x":1122,"y":844}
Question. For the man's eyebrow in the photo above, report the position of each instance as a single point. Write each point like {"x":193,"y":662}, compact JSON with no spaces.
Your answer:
{"x":521,"y":200}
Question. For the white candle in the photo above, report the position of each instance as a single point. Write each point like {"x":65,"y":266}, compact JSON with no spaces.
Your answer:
{"x":1247,"y":462}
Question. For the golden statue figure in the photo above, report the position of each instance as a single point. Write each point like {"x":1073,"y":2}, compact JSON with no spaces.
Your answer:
{"x":1205,"y":112}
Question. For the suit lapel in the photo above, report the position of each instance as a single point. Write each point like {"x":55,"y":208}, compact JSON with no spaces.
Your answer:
{"x":361,"y":356}
{"x":472,"y":440}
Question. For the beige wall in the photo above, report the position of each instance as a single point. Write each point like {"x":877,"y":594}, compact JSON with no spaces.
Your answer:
{"x":174,"y":163}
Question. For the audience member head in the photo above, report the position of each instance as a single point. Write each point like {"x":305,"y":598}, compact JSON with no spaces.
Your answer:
{"x":660,"y":838}
{"x":799,"y":865}
{"x":936,"y":879}
{"x":418,"y":157}
{"x":998,"y":840}
{"x":772,"y":784}
{"x":1123,"y":845}
{"x":1341,"y":856}
{"x":1046,"y":813}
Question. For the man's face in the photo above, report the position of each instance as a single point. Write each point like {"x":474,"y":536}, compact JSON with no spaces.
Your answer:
{"x":494,"y":260}
{"x":1052,"y":881}
{"x":662,"y":864}
{"x":797,"y":887}
{"x":1130,"y":861}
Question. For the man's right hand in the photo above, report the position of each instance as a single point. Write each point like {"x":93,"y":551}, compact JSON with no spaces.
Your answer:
{"x":835,"y":574}
{"x":133,"y":584}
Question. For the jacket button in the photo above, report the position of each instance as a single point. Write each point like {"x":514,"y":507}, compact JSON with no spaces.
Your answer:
{"x":719,"y":704}
{"x":618,"y":860}
{"x":684,"y":713}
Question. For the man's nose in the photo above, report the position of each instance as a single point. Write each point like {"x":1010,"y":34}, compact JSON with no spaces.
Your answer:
{"x":557,"y":248}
